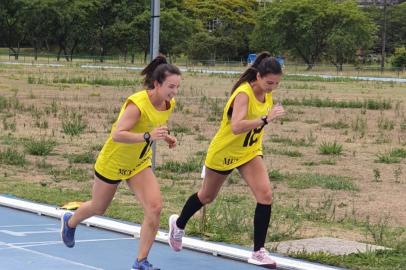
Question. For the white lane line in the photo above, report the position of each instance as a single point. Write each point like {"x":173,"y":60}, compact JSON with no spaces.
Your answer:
{"x":34,"y":225}
{"x":52,"y":257}
{"x":14,"y":233}
{"x":45,"y":243}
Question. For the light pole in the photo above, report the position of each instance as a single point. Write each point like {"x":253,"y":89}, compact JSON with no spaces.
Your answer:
{"x":154,"y":50}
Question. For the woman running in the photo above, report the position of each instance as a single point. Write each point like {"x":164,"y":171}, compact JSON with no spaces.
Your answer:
{"x":126,"y":156}
{"x":238,"y":144}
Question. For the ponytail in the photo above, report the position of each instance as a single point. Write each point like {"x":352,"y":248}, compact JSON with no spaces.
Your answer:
{"x":264,"y":64}
{"x":158,"y":70}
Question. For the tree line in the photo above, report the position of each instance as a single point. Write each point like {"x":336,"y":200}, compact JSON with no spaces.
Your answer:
{"x":312,"y":31}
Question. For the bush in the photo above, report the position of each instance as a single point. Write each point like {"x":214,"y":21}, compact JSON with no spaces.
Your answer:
{"x":399,"y":58}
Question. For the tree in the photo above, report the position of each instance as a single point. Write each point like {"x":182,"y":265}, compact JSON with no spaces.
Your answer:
{"x":11,"y":24}
{"x":299,"y":26}
{"x":140,"y":33}
{"x":201,"y":44}
{"x":72,"y":25}
{"x":40,"y":20}
{"x":397,"y":26}
{"x":353,"y":30}
{"x":123,"y":31}
{"x":175,"y":31}
{"x":312,"y":29}
{"x":229,"y":22}
{"x":399,"y":58}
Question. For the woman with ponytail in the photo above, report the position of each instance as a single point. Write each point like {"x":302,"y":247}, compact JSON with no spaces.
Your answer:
{"x":126,"y":156}
{"x":238,"y":144}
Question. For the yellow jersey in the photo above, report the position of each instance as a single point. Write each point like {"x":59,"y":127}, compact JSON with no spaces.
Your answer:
{"x":121,"y":161}
{"x":227,"y":150}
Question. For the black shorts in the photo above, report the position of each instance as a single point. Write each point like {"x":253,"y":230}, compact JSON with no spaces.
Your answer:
{"x":106,"y":180}
{"x":220,"y":172}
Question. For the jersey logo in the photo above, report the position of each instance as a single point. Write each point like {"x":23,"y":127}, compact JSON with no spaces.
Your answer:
{"x":126,"y":172}
{"x":229,"y":160}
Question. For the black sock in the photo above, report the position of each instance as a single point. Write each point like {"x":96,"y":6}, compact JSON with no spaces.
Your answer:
{"x":261,"y":223}
{"x":192,"y":205}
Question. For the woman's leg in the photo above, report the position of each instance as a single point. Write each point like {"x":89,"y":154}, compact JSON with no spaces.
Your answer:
{"x":102,"y":194}
{"x":146,"y":188}
{"x":212,"y":183}
{"x":255,"y":174}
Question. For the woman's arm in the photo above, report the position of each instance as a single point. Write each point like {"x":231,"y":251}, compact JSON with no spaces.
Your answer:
{"x":238,"y":122}
{"x":127,"y":121}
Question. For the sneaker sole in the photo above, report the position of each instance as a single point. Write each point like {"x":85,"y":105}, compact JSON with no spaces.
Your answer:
{"x":62,"y":224}
{"x":170,"y":232}
{"x":62,"y":221}
{"x":269,"y":266}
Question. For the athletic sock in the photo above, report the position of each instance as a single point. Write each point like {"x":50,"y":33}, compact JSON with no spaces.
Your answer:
{"x":261,"y":223}
{"x":192,"y":205}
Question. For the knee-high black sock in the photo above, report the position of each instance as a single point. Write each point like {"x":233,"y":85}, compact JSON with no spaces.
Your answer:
{"x":192,"y":205}
{"x":261,"y":223}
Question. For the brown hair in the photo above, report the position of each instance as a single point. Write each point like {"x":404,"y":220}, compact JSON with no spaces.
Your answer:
{"x":264,"y":64}
{"x":158,"y":70}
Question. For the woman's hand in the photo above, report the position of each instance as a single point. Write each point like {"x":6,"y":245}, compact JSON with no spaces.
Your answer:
{"x":159,"y":133}
{"x":276,"y":112}
{"x":171,"y":141}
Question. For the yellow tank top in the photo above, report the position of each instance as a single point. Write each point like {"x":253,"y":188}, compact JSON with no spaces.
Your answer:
{"x":228,"y":151}
{"x":120,"y":161}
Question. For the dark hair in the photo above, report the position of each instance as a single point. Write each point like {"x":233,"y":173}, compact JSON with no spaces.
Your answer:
{"x":158,"y":70}
{"x":264,"y":64}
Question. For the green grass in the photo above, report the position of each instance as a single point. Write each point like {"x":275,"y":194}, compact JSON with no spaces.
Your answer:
{"x":308,"y":180}
{"x":70,"y":173}
{"x":39,"y":147}
{"x":191,"y":165}
{"x":393,"y":156}
{"x":398,"y":152}
{"x":291,"y":141}
{"x":86,"y":157}
{"x":340,"y":124}
{"x":227,"y":215}
{"x":276,"y":175}
{"x":3,"y":103}
{"x":73,"y":124}
{"x":316,"y":78}
{"x":394,"y":259}
{"x":330,"y":148}
{"x":12,"y":157}
{"x":84,"y":80}
{"x":385,"y":123}
{"x":176,"y":129}
{"x":328,"y":103}
{"x":286,"y":152}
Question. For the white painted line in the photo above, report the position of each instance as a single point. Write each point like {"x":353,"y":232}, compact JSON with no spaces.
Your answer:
{"x":190,"y":243}
{"x":14,"y":233}
{"x":33,"y":225}
{"x":48,"y":243}
{"x":32,"y":64}
{"x":53,"y":257}
{"x":360,"y":78}
{"x":213,"y":71}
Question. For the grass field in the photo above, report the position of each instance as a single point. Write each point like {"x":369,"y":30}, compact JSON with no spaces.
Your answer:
{"x":336,"y":161}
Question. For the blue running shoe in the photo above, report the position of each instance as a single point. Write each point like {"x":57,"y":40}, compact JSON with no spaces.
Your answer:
{"x":67,"y":233}
{"x":143,"y":265}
